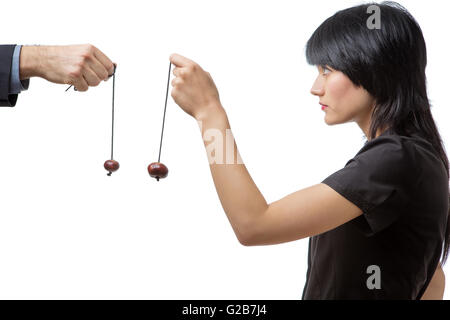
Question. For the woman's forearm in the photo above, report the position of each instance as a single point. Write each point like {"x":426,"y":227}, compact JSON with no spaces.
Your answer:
{"x":241,"y":200}
{"x":196,"y":93}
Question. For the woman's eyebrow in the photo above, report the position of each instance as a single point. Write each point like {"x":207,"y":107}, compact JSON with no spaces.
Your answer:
{"x":323,"y":68}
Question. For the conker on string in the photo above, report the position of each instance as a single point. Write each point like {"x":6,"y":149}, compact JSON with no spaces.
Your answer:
{"x":111,"y":166}
{"x":157,"y":170}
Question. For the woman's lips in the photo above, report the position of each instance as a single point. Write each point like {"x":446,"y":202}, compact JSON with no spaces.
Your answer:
{"x":324,"y":106}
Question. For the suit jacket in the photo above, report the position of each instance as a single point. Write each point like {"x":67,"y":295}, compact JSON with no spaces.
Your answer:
{"x":6,"y":55}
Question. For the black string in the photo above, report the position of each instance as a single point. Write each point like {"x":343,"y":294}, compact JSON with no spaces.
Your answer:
{"x":112,"y":120}
{"x":164,"y":117}
{"x":112,"y":129}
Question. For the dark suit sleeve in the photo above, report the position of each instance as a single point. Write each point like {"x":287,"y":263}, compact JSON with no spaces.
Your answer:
{"x":6,"y":55}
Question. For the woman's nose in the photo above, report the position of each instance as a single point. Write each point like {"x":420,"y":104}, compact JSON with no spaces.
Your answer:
{"x":317,"y":88}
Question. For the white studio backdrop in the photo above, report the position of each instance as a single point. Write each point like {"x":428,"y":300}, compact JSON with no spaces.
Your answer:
{"x":68,"y":231}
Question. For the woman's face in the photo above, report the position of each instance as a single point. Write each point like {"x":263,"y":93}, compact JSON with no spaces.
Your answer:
{"x":345,"y":102}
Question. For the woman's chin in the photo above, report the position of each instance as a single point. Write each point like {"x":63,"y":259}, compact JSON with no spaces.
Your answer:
{"x":329,"y":121}
{"x":333,"y":121}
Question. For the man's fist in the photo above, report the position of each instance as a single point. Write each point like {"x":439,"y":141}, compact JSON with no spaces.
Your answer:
{"x":79,"y":65}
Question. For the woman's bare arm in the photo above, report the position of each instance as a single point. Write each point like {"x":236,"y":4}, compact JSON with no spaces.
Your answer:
{"x":435,"y":290}
{"x":299,"y":215}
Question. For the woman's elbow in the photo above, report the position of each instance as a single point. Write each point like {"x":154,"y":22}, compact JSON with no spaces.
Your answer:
{"x":245,"y":233}
{"x":245,"y":239}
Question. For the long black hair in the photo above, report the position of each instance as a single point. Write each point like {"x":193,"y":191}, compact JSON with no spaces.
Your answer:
{"x":387,"y":60}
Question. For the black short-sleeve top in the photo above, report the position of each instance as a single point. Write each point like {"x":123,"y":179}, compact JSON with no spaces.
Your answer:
{"x":392,"y":250}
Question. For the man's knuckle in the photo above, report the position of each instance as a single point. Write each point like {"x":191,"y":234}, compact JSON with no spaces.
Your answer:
{"x":85,"y":57}
{"x":75,"y":73}
{"x":81,"y":63}
{"x":87,"y":53}
{"x":90,"y":48}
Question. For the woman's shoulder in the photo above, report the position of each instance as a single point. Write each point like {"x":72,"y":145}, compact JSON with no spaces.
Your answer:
{"x":413,"y":151}
{"x":386,"y":145}
{"x":392,"y":141}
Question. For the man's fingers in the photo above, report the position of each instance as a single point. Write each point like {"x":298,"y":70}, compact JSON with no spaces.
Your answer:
{"x":179,"y":60}
{"x":99,"y":69}
{"x":107,"y":63}
{"x":91,"y":77}
{"x":80,"y":84}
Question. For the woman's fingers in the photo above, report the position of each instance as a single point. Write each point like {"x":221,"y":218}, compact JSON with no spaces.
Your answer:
{"x":176,"y":81}
{"x":176,"y":72}
{"x":180,"y":61}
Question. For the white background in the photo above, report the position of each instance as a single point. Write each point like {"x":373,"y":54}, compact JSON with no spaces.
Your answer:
{"x":68,"y":231}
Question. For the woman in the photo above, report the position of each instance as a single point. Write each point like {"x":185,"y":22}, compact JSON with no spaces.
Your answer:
{"x":378,"y":226}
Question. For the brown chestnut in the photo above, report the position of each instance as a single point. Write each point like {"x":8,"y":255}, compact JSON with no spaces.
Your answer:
{"x":111,"y":166}
{"x":157,"y":170}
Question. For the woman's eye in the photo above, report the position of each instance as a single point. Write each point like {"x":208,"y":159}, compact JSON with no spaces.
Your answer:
{"x":326,"y":70}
